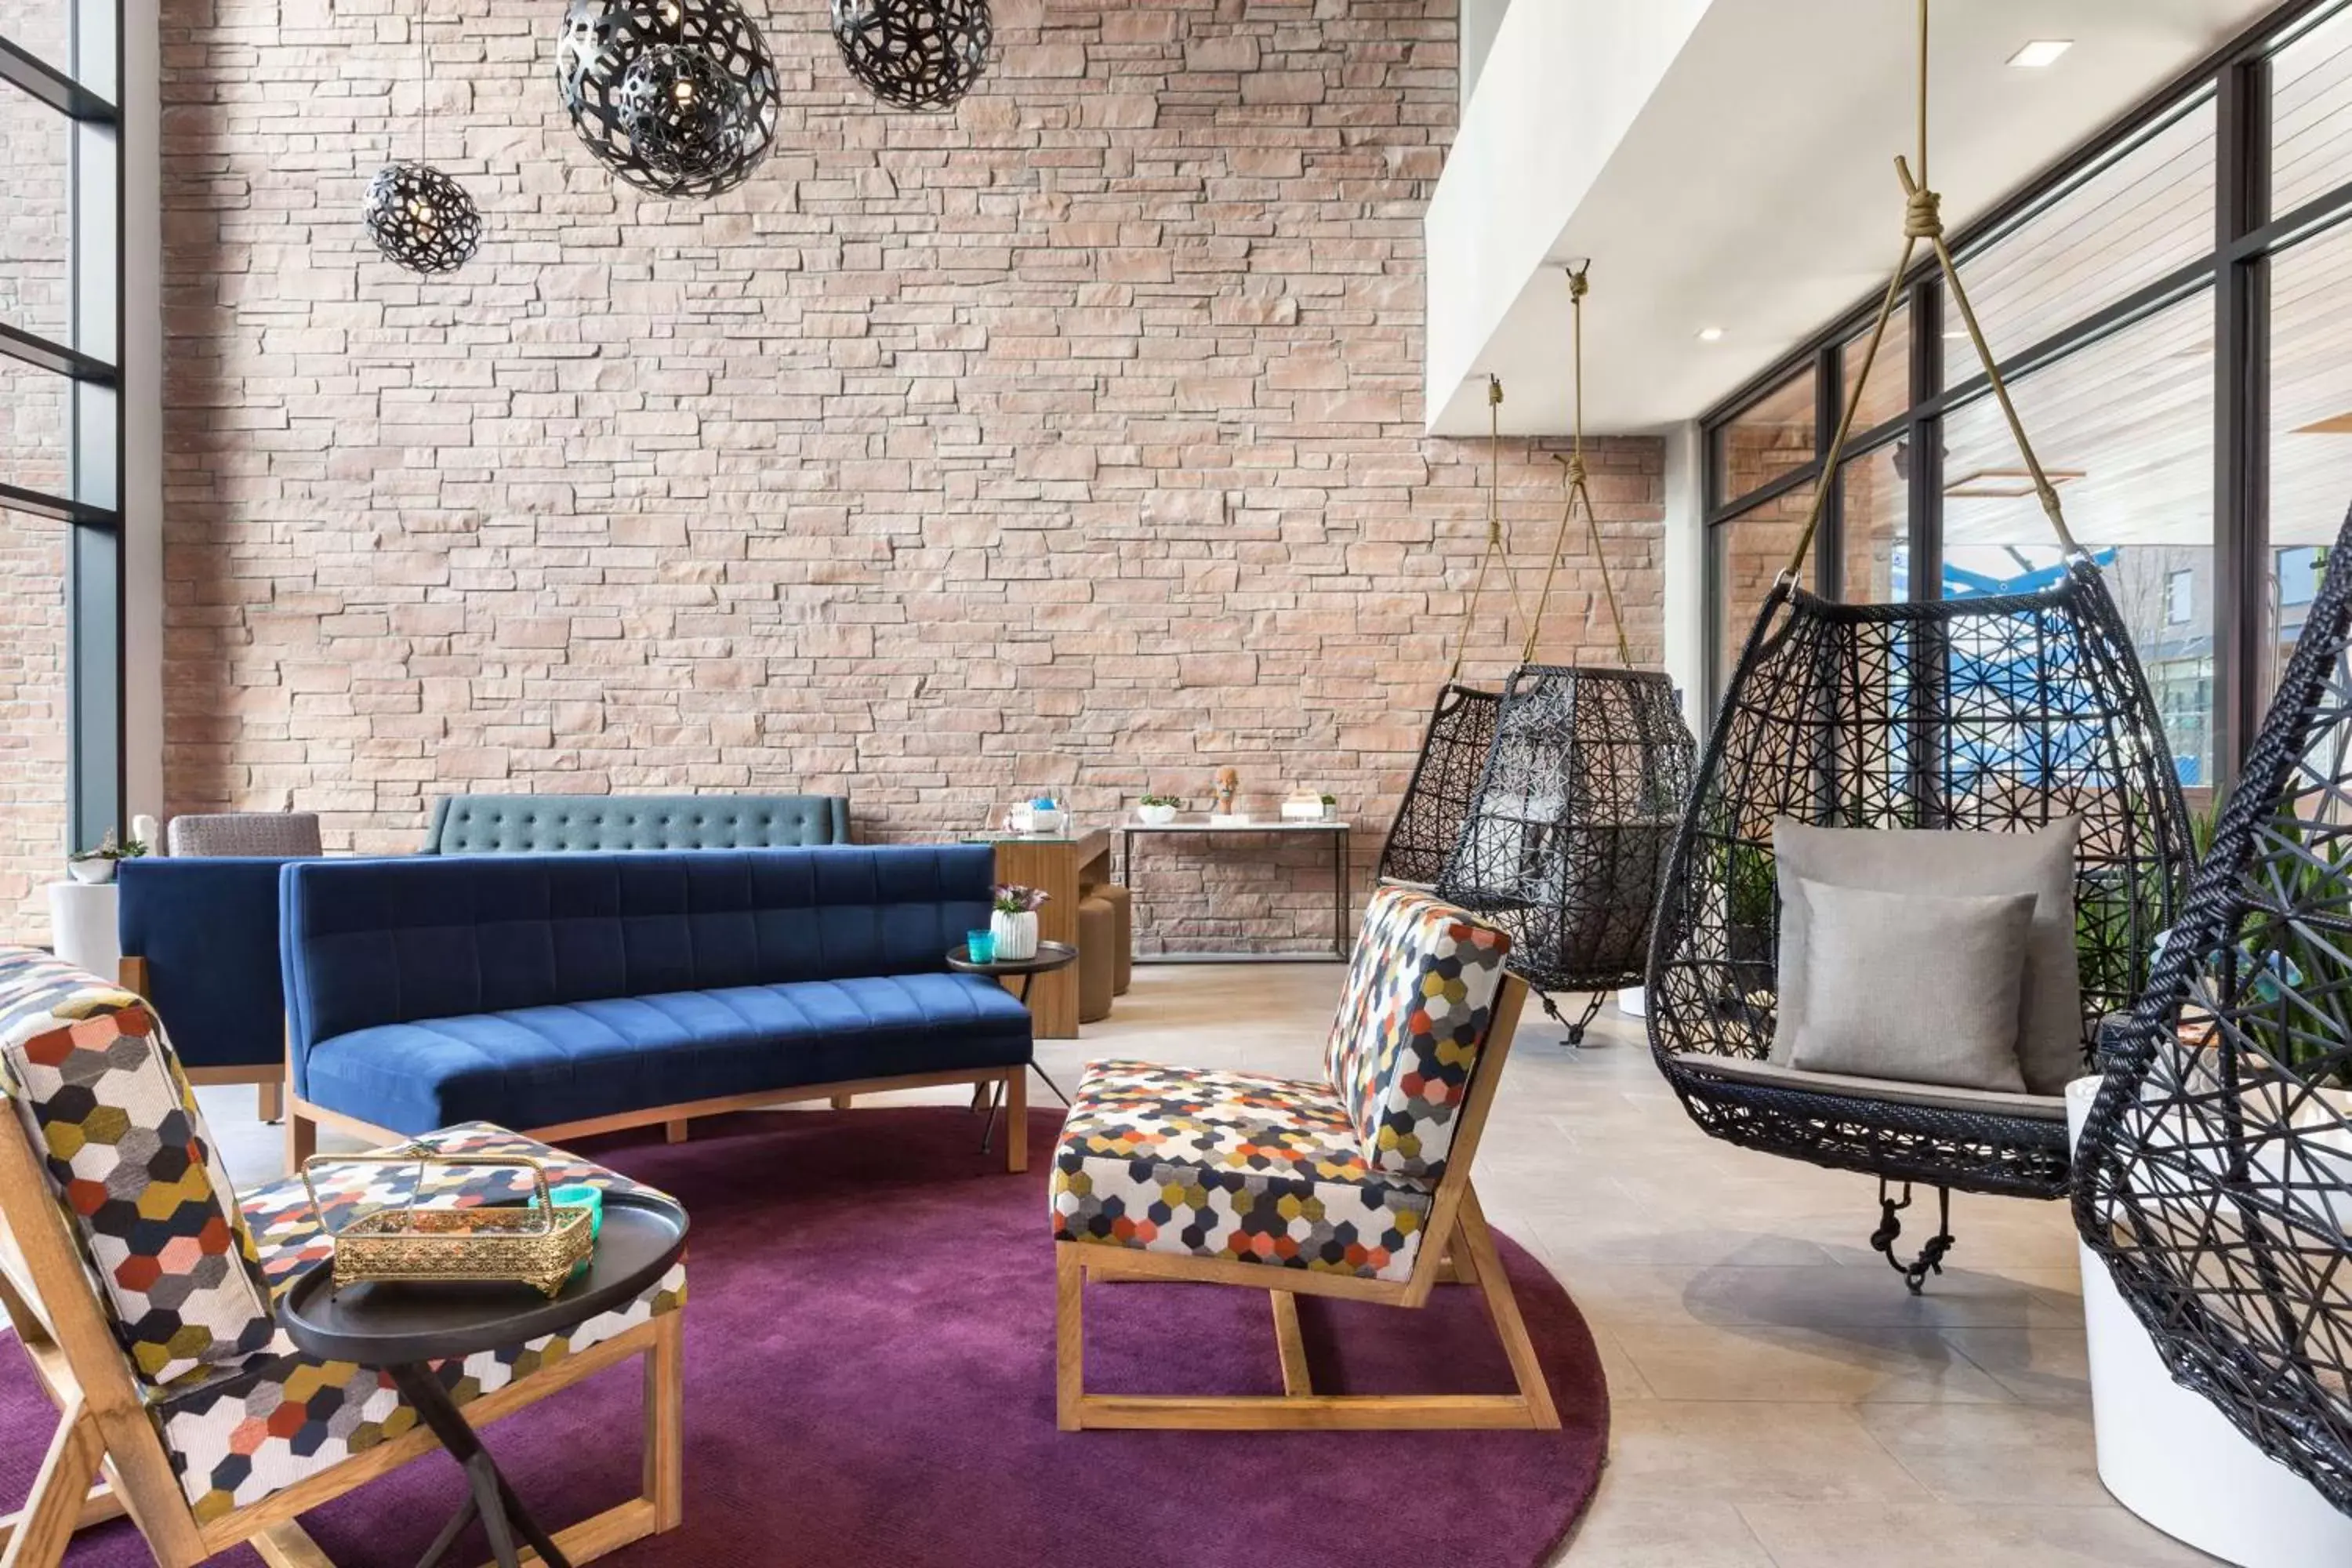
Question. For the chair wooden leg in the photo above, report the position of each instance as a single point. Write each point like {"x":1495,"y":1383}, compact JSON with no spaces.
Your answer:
{"x":665,"y":1439}
{"x":674,"y":1130}
{"x":302,"y":1137}
{"x":1291,"y":1344}
{"x":1069,"y":1335}
{"x":270,"y":1099}
{"x":60,"y":1492}
{"x":1016,"y":1121}
{"x":287,"y":1544}
{"x":1475,"y":1245}
{"x":843,"y":1101}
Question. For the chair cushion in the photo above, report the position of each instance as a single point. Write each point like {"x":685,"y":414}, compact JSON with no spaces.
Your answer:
{"x":1876,"y":1005}
{"x":542,"y":1066}
{"x":1851,"y":1086}
{"x":1230,"y":1165}
{"x":2050,"y":1040}
{"x":280,"y":1416}
{"x":1419,"y":1000}
{"x":132,"y":1167}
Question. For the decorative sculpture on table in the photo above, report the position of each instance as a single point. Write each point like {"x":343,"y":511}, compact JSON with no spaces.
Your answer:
{"x":1228,"y":786}
{"x":677,"y":97}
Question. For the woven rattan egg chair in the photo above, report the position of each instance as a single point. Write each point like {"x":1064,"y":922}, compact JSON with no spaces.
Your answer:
{"x":1998,"y":713}
{"x":1564,"y":845}
{"x":2215,"y":1172}
{"x":1462,"y":724}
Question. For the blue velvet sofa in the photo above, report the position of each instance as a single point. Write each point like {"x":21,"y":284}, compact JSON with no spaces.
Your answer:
{"x":200,"y":943}
{"x":566,"y":995}
{"x":558,"y":824}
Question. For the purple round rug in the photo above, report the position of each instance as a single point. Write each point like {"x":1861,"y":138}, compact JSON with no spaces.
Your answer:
{"x":869,"y":1362}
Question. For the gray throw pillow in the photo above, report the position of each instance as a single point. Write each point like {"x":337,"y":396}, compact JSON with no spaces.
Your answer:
{"x":1949,"y":864}
{"x":1914,"y":986}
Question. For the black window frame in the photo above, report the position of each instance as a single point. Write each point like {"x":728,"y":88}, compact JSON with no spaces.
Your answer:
{"x":2236,"y":82}
{"x":86,"y":93}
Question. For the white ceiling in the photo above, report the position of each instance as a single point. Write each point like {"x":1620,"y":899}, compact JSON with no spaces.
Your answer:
{"x":1754,"y":189}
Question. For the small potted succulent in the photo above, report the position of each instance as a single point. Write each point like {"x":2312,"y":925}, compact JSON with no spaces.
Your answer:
{"x":1158,"y":810}
{"x":98,"y":864}
{"x":1012,"y":920}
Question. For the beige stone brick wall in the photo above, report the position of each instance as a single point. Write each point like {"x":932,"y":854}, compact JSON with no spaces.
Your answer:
{"x":1070,"y":440}
{"x":35,"y":408}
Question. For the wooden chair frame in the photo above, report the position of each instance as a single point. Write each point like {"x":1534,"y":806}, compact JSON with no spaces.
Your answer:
{"x":269,"y":1079}
{"x":106,"y":1459}
{"x":1455,"y":1246}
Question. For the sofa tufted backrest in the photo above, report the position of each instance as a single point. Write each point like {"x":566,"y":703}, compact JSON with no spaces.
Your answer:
{"x":551,"y":824}
{"x":208,"y":928}
{"x":390,"y":942}
{"x":1413,"y":1021}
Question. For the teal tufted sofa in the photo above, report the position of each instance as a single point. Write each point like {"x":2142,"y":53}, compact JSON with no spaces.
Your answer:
{"x":551,"y":824}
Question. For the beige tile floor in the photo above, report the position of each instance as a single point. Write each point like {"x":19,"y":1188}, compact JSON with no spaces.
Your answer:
{"x":1778,"y":1400}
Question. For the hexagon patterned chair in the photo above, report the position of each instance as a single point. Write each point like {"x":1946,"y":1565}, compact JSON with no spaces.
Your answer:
{"x":142,"y":1289}
{"x":1355,"y":1186}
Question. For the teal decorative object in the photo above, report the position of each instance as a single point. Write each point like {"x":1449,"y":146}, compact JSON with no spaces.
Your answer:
{"x":579,"y":1194}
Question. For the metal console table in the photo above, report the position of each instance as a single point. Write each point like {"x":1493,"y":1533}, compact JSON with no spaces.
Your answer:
{"x":1195,"y":826}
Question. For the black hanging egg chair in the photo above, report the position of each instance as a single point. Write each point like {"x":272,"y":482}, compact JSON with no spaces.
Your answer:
{"x":1461,"y":726}
{"x":2216,"y":1165}
{"x":1566,"y":845}
{"x":1565,"y":842}
{"x":2000,"y":713}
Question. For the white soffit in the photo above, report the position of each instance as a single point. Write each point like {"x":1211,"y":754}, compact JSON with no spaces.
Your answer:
{"x":1729,"y":164}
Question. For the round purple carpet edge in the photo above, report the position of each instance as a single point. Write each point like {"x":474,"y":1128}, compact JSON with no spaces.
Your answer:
{"x":869,"y":1382}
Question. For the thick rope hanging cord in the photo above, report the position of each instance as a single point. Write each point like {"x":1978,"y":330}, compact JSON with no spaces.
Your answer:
{"x":1923,"y":219}
{"x":1494,"y":529}
{"x":1577,"y":286}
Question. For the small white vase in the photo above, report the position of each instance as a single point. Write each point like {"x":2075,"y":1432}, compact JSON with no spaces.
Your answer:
{"x":1016,"y":935}
{"x":90,"y":871}
{"x":1156,"y":816}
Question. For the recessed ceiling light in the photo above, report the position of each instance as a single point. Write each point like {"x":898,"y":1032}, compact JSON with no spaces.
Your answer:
{"x":1709,"y":334}
{"x":2039,"y":54}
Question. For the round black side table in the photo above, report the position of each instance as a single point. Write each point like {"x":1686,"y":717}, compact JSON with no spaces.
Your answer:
{"x":1050,"y":956}
{"x":400,"y":1327}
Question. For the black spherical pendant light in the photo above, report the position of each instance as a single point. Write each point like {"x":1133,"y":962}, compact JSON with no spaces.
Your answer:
{"x":421,"y":218}
{"x":417,"y":215}
{"x":677,"y":97}
{"x":914,"y":54}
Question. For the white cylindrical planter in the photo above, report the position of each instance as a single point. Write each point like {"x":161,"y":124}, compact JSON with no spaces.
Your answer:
{"x":82,"y":926}
{"x":2171,"y":1458}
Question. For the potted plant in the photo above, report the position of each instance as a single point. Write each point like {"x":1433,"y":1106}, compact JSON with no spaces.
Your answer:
{"x":1012,"y":920}
{"x":1330,"y":806}
{"x":98,"y":864}
{"x":1158,"y":810}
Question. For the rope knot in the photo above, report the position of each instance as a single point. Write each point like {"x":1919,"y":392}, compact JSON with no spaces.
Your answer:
{"x":1923,"y":215}
{"x":1576,"y":475}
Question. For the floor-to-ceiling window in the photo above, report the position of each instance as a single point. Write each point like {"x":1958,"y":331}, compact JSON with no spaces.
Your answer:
{"x":60,"y":444}
{"x":2170,"y":310}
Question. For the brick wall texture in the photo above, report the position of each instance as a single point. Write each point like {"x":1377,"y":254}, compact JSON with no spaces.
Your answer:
{"x":35,"y":294}
{"x":1071,"y":440}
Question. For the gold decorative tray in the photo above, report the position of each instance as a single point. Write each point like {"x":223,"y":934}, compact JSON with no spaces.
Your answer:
{"x":539,"y":1247}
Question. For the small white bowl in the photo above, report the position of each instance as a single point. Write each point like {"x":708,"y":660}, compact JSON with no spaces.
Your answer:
{"x":91,"y":871}
{"x":1157,"y":816}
